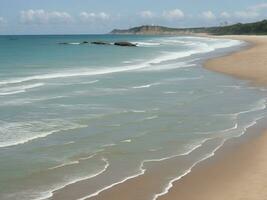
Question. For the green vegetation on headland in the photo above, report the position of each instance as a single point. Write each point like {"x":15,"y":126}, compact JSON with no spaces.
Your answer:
{"x":256,"y":28}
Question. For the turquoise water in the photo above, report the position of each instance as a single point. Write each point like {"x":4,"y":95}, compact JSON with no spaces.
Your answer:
{"x":75,"y":112}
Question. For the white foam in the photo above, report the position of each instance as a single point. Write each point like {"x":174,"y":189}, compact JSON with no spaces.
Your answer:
{"x":112,"y":185}
{"x":258,"y":106}
{"x":64,"y":165}
{"x":167,"y":66}
{"x":147,"y":44}
{"x":74,"y":43}
{"x":170,"y":92}
{"x":127,"y":141}
{"x":73,"y":162}
{"x":16,"y":133}
{"x":220,"y":131}
{"x":138,"y":111}
{"x":142,"y":171}
{"x":145,"y":86}
{"x":49,"y":194}
{"x":10,"y":93}
{"x":152,"y":117}
{"x":108,"y":145}
{"x":18,"y":89}
{"x":170,"y":184}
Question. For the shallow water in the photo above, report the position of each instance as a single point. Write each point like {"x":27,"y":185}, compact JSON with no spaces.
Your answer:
{"x":78,"y":112}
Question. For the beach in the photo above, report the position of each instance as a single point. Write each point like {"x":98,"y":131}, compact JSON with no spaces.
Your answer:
{"x":130,"y":126}
{"x":238,"y":173}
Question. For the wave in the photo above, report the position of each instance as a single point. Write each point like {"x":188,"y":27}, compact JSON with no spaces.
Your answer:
{"x":28,"y":131}
{"x":254,"y":122}
{"x":258,"y":106}
{"x":219,"y":131}
{"x":18,"y":89}
{"x":64,"y":165}
{"x":145,"y":86}
{"x":108,"y":145}
{"x":49,"y":194}
{"x":127,"y":141}
{"x":138,"y":111}
{"x":76,"y":83}
{"x":73,"y":162}
{"x":142,"y":171}
{"x":167,"y":67}
{"x":112,"y":185}
{"x":147,"y":44}
{"x":10,"y":93}
{"x":150,"y":118}
{"x":170,"y":92}
{"x":166,"y":56}
{"x":170,"y":184}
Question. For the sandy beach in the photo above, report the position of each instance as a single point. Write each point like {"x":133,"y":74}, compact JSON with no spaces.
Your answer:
{"x":239,"y":173}
{"x":247,"y":64}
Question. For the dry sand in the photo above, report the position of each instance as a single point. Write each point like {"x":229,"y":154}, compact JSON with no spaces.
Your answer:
{"x":247,"y":64}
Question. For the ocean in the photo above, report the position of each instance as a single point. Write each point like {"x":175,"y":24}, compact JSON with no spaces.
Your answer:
{"x":109,"y":114}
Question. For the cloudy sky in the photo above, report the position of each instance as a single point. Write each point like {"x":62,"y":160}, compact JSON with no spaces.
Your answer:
{"x":101,"y":16}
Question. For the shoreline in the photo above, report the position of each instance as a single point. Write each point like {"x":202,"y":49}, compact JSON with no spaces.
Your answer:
{"x":238,"y":169}
{"x":174,"y":192}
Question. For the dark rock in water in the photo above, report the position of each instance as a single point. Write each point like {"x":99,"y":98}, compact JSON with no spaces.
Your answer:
{"x":84,"y":42}
{"x":125,"y":44}
{"x":100,"y":43}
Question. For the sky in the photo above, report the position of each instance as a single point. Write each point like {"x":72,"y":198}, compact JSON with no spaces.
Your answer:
{"x":101,"y":16}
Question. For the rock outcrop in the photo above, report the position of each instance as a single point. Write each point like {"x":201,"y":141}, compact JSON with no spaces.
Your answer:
{"x":101,"y":43}
{"x":125,"y":44}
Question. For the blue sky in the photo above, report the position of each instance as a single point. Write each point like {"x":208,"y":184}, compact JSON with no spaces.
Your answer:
{"x":101,"y":16}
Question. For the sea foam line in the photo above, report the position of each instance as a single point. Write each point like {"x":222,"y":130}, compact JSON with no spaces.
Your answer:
{"x":170,"y":184}
{"x":145,"y":86}
{"x":260,"y":105}
{"x":73,"y":162}
{"x":18,"y":89}
{"x":142,"y":171}
{"x":43,"y":135}
{"x":49,"y":194}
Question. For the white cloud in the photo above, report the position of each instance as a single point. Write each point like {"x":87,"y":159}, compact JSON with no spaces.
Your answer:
{"x":208,"y":15}
{"x":147,"y":14}
{"x":41,"y":16}
{"x":2,"y":21}
{"x":91,"y":17}
{"x":225,"y":15}
{"x":173,"y":14}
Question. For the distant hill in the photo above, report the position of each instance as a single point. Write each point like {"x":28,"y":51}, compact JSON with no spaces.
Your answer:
{"x":256,"y":28}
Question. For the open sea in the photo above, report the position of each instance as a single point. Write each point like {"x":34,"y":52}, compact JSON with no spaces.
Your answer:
{"x":108,"y":114}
